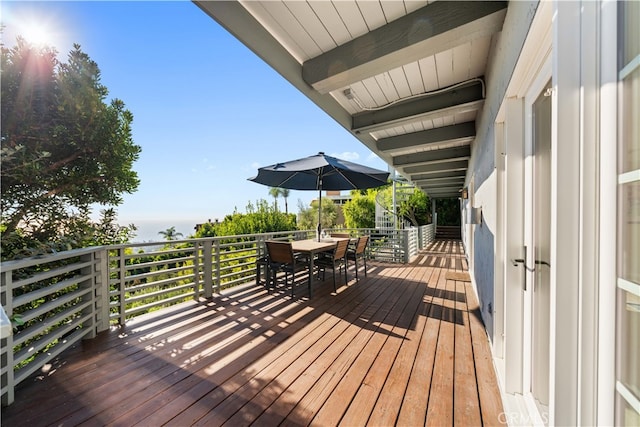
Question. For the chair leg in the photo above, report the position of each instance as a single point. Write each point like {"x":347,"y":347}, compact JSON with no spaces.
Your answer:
{"x":258,"y":268}
{"x":364,"y":259}
{"x":267,"y":275}
{"x":334,"y":279}
{"x":355,"y":261}
{"x":346,"y":280}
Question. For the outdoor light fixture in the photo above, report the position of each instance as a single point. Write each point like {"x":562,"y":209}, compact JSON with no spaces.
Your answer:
{"x":474,"y":215}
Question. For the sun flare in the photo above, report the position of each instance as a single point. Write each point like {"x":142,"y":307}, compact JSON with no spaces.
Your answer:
{"x":36,"y":28}
{"x":38,"y":34}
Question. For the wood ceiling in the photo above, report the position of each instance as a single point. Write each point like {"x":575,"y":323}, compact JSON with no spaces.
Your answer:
{"x":406,"y":78}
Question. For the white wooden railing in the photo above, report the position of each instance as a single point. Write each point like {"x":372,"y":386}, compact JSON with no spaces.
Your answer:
{"x":56,"y":300}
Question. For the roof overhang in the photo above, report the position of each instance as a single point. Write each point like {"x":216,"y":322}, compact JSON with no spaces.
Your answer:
{"x":403,"y":77}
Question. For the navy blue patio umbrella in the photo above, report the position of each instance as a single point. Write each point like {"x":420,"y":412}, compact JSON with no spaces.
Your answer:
{"x":320,"y":172}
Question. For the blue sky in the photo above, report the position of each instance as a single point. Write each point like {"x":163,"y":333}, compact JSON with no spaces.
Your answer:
{"x":207,"y":111}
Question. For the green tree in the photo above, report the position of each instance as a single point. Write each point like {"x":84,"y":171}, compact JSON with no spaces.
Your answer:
{"x":448,"y":211}
{"x":170,"y":234}
{"x":308,"y":216}
{"x":78,"y":231}
{"x":259,"y":218}
{"x":63,"y":147}
{"x":280,"y":192}
{"x":416,"y":208}
{"x":285,"y":195}
{"x":360,"y":211}
{"x":107,"y":231}
{"x":275,"y":193}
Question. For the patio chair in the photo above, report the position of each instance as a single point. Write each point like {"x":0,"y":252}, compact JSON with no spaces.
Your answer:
{"x":340,"y":235}
{"x":336,"y":259}
{"x":281,"y":258}
{"x":262,"y":262}
{"x":359,"y":252}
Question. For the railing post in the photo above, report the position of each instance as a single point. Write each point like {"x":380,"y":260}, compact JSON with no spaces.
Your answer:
{"x":196,"y":270}
{"x":6,"y":356}
{"x":90,"y":297}
{"x":101,"y":288}
{"x":217,"y":258}
{"x":405,"y":241}
{"x":207,"y":261}
{"x":122,"y":285}
{"x":434,"y":214}
{"x":260,"y":252}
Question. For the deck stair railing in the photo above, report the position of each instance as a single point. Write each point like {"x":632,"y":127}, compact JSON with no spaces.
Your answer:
{"x":386,"y":216}
{"x":56,"y":300}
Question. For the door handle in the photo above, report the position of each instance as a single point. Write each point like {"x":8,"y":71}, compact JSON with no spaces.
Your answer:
{"x":522,"y":261}
{"x":539,"y":262}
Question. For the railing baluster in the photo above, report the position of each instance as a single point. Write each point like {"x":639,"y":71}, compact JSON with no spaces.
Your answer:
{"x":405,"y":241}
{"x":122,"y":291}
{"x":207,"y":257}
{"x":196,"y":270}
{"x":89,"y":283}
{"x":217,"y":261}
{"x":101,"y":274}
{"x":8,"y":379}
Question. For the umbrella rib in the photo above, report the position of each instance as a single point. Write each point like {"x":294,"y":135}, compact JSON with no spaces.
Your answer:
{"x":345,"y":178}
{"x":290,"y":177}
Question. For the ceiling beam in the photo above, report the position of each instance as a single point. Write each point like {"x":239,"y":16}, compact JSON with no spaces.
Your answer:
{"x":452,"y":195}
{"x":458,"y":166}
{"x":445,"y":103}
{"x":435,"y":175}
{"x":440,"y":182}
{"x":433,"y":156}
{"x":444,"y":196}
{"x":436,"y":192}
{"x":434,"y":28}
{"x":424,"y":139}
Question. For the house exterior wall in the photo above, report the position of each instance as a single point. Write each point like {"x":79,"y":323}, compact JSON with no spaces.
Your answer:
{"x":480,"y":239}
{"x":578,"y":55}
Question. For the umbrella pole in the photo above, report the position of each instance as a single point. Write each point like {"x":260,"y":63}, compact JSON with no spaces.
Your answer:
{"x":319,"y":228}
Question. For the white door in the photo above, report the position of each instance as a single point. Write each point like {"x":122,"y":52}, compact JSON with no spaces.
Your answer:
{"x":539,"y":244}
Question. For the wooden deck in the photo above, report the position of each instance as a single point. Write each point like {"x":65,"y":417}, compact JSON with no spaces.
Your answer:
{"x":404,"y":346}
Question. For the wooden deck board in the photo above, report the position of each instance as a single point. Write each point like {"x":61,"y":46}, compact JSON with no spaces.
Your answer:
{"x":391,"y":396}
{"x":403,"y":346}
{"x":414,"y":405}
{"x":327,"y":380}
{"x":440,"y":404}
{"x":206,"y":402}
{"x":285,"y":359}
{"x":490,"y":401}
{"x":360,"y":409}
{"x":466,"y":406}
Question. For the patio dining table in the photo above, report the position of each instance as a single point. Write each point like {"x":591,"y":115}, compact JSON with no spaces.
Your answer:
{"x":313,"y":247}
